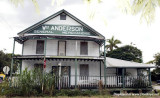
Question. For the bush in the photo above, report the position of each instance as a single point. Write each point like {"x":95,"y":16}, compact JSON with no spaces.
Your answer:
{"x":30,"y":83}
{"x":76,"y":92}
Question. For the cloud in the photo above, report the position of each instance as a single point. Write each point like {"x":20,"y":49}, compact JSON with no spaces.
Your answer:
{"x":124,"y":27}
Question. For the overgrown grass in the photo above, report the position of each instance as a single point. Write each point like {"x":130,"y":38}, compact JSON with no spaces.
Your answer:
{"x":35,"y":83}
{"x":29,"y":83}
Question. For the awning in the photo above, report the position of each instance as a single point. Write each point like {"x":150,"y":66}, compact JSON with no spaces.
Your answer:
{"x":42,"y":37}
{"x":41,"y":57}
{"x":117,"y":63}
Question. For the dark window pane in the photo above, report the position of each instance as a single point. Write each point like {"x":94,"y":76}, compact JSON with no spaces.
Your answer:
{"x":62,"y":17}
{"x":40,"y":47}
{"x":38,"y":67}
{"x":84,"y":48}
{"x":55,"y":70}
{"x":62,"y":48}
{"x":84,"y":70}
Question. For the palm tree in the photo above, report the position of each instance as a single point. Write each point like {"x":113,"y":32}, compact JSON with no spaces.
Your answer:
{"x":112,"y":43}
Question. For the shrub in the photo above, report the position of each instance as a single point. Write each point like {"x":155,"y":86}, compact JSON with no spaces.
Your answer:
{"x":30,"y":83}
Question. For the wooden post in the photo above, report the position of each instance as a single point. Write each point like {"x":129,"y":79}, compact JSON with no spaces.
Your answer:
{"x":105,"y":63}
{"x":12,"y":63}
{"x":20,"y":67}
{"x":100,"y":70}
{"x":149,"y":77}
{"x":123,"y":78}
{"x":44,"y":63}
{"x":76,"y":67}
{"x":22,"y":48}
{"x":75,"y":72}
{"x":21,"y":59}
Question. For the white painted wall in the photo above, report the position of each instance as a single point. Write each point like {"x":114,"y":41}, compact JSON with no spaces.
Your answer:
{"x":30,"y":47}
{"x":68,"y":21}
{"x":94,"y":68}
{"x":52,"y":46}
{"x":111,"y":71}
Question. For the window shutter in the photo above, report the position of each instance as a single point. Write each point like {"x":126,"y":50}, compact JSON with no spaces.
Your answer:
{"x":84,"y":48}
{"x":40,"y":47}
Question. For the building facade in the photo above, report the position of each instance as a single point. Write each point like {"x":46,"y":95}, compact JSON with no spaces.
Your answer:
{"x":71,"y":49}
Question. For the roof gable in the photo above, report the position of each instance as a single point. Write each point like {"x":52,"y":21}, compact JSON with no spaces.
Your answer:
{"x":82,"y":29}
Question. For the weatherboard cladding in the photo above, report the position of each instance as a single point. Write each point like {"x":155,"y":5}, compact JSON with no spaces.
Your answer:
{"x":41,"y":23}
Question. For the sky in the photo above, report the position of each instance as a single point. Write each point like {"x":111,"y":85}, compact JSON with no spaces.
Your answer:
{"x":108,"y":19}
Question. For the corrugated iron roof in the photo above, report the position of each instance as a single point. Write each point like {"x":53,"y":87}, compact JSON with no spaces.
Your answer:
{"x":112,"y":62}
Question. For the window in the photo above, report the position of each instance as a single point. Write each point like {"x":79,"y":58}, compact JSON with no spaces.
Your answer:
{"x":84,"y":71}
{"x":84,"y":48}
{"x":65,"y":70}
{"x":62,"y":48}
{"x":119,"y":71}
{"x":62,"y":17}
{"x":38,"y":67}
{"x":40,"y":47}
{"x":140,"y":72}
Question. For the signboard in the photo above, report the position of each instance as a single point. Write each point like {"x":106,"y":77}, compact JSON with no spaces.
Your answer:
{"x":6,"y":69}
{"x":62,"y":30}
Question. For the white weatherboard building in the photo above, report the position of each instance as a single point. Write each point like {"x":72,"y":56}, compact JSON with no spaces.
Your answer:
{"x":71,"y":49}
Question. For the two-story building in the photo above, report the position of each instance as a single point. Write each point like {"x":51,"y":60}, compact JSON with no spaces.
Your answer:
{"x":71,"y":49}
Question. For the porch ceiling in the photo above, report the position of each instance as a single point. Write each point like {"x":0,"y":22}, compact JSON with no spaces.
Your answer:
{"x":42,"y":37}
{"x":117,"y":63}
{"x":41,"y":57}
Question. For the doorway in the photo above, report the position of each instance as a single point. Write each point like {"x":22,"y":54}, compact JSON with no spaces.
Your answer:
{"x":62,"y":76}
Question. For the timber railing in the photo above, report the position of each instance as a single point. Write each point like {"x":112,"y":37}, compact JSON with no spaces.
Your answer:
{"x":94,"y":82}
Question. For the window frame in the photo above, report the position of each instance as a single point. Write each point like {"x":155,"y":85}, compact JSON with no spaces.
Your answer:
{"x":37,"y":47}
{"x":87,"y":71}
{"x":81,"y":50}
{"x":63,"y":17}
{"x":59,"y":46}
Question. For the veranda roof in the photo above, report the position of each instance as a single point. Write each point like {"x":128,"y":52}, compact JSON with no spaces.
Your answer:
{"x":112,"y":62}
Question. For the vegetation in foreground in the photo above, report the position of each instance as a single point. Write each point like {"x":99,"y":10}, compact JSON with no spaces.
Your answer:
{"x":34,"y":83}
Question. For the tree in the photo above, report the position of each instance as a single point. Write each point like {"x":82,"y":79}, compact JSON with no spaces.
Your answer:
{"x":156,"y":72}
{"x":145,"y":7}
{"x":126,"y":52}
{"x":112,"y":43}
{"x":5,"y":60}
{"x":157,"y":59}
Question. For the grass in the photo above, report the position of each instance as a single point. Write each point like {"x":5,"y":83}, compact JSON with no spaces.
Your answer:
{"x":90,"y":97}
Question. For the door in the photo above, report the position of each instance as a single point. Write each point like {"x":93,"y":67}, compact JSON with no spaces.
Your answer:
{"x":62,"y":48}
{"x":84,"y":71}
{"x":119,"y":77}
{"x":64,"y":79}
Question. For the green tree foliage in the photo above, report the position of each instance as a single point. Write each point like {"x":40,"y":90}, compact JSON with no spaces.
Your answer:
{"x":157,"y":59}
{"x":5,"y":60}
{"x":145,"y":7}
{"x":156,"y":72}
{"x":112,"y":43}
{"x":127,"y":52}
